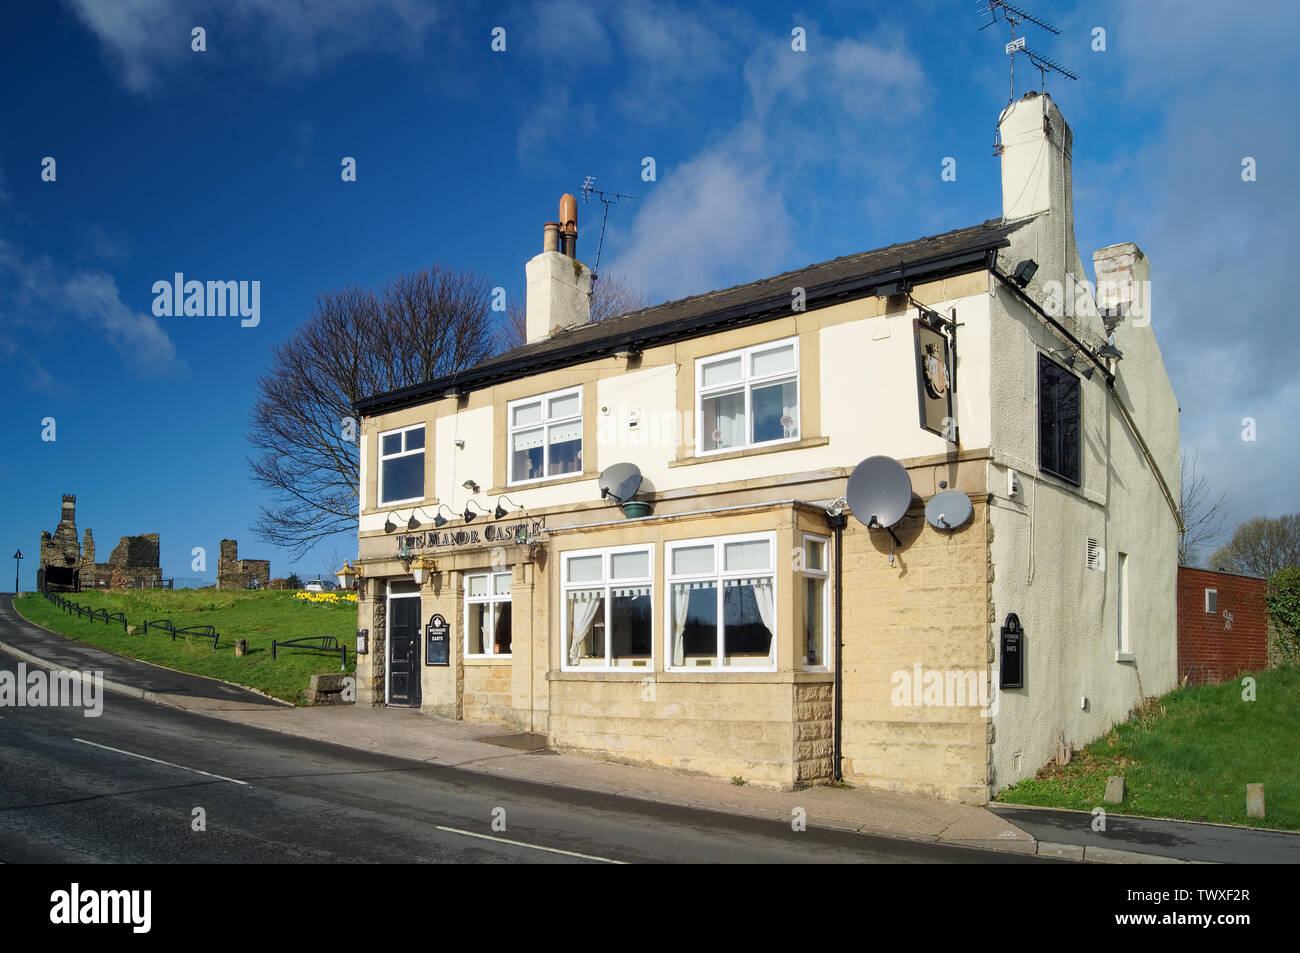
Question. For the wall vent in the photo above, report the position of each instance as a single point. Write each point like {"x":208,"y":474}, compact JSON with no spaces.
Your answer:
{"x":1096,"y":556}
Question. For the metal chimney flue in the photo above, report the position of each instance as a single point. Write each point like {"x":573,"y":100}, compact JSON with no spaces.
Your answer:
{"x":569,"y":225}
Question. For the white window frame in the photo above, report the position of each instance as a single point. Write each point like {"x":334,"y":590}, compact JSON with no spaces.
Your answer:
{"x":748,"y":382}
{"x":606,"y":583}
{"x":823,"y":574}
{"x":384,"y":458}
{"x":491,"y":599}
{"x":1124,"y":621}
{"x":1208,"y":593}
{"x":545,"y":423}
{"x":720,"y":576}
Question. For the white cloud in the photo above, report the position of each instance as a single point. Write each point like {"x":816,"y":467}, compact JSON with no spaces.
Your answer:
{"x":712,"y":222}
{"x":30,"y":287}
{"x":146,"y":37}
{"x":723,"y":217}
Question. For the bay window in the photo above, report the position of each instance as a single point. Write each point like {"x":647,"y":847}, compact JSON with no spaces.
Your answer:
{"x":606,"y":597}
{"x":814,"y":581}
{"x":722,"y":602}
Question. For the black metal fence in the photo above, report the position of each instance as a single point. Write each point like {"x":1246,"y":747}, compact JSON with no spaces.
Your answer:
{"x":204,"y":632}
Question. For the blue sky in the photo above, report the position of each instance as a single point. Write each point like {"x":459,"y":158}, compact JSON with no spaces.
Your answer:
{"x":225,"y":164}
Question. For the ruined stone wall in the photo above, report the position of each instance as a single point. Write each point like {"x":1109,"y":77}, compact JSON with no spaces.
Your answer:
{"x":236,"y":573}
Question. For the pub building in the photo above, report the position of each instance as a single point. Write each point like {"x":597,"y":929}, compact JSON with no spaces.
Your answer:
{"x":637,"y":539}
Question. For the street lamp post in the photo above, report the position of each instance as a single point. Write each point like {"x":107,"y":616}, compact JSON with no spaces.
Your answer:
{"x":17,"y":556}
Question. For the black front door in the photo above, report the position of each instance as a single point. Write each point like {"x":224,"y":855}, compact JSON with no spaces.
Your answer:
{"x":404,"y":652}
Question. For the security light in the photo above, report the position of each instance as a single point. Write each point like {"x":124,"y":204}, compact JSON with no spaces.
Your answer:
{"x":470,"y":485}
{"x":1024,"y":272}
{"x":1110,"y":351}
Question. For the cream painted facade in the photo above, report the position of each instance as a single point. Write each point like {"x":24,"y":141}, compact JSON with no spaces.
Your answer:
{"x":932,"y":603}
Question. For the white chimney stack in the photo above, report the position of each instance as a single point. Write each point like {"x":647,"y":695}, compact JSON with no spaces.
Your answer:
{"x":1036,"y":152}
{"x":559,"y":286}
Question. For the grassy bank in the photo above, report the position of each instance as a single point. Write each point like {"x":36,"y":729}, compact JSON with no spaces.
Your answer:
{"x":1190,"y":756}
{"x":258,"y":617}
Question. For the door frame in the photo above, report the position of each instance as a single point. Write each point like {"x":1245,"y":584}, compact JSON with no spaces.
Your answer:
{"x":389,"y":596}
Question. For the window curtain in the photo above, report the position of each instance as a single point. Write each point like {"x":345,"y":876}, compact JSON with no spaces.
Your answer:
{"x":585,"y":605}
{"x":681,"y":600}
{"x":765,"y":598}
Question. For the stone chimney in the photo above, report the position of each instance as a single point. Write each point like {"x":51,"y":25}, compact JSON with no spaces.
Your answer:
{"x":1037,"y":147}
{"x":1036,"y":153}
{"x":559,"y":286}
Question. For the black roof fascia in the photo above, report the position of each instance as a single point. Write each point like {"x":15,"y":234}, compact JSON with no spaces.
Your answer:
{"x":896,"y":280}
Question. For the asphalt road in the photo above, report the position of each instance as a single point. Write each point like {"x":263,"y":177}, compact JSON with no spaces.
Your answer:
{"x":67,"y":797}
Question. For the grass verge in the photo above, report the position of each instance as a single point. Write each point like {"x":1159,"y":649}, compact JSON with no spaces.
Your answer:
{"x":1189,"y":755}
{"x":258,"y":617}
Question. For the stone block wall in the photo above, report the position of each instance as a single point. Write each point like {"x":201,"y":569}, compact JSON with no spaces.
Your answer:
{"x":908,"y":626}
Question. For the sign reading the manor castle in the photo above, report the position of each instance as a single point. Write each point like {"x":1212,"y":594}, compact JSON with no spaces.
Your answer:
{"x":437,"y":635}
{"x":492,"y":534}
{"x":934,"y":380}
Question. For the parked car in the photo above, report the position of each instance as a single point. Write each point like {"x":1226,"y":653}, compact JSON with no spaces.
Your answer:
{"x":319,"y":585}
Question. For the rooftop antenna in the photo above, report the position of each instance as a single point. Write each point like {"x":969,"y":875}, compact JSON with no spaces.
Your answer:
{"x":609,"y":198}
{"x":1001,"y":10}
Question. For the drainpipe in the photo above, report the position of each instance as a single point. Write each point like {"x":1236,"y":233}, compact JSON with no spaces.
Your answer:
{"x":836,"y":520}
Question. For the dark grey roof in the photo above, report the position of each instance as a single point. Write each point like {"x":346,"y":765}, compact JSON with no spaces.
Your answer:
{"x":890,"y":270}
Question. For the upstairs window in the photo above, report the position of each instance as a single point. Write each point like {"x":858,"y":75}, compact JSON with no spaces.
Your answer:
{"x":401,"y":465}
{"x":748,"y":397}
{"x":1058,"y":421}
{"x":1212,"y":601}
{"x":545,"y":436}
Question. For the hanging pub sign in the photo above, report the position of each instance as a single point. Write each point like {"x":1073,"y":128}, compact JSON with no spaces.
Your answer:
{"x":1013,"y":653}
{"x":935,"y":381}
{"x":437,"y":637}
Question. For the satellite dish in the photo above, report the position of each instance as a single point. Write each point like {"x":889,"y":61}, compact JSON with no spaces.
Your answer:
{"x":620,"y":482}
{"x":948,"y":510}
{"x":879,"y":492}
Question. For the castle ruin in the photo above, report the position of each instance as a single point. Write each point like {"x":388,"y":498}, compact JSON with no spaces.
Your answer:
{"x":134,"y":562}
{"x":236,"y":573}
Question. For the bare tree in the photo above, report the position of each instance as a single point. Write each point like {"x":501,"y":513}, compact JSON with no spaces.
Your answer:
{"x":357,"y":343}
{"x":1260,"y":547}
{"x":1202,"y":516}
{"x":610,"y":297}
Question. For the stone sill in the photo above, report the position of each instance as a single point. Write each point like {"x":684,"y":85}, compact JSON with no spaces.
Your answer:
{"x":751,"y":451}
{"x":543,"y":484}
{"x":1125,"y":657}
{"x":503,"y":660}
{"x":431,"y":504}
{"x":717,"y":675}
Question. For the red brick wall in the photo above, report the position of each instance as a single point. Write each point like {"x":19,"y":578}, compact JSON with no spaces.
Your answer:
{"x":1207,"y":650}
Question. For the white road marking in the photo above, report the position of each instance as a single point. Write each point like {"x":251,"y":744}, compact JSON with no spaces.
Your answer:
{"x":519,"y":843}
{"x":169,"y":764}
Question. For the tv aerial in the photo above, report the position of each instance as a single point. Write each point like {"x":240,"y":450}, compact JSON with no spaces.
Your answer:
{"x":608,"y":198}
{"x":997,"y":10}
